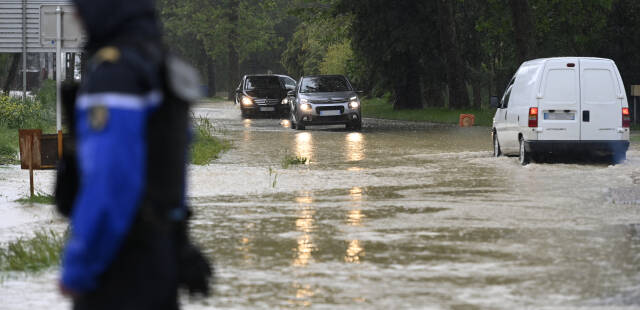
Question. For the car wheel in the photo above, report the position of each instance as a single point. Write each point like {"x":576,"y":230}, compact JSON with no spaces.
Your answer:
{"x":357,"y":125}
{"x":497,"y":152}
{"x":524,"y":157}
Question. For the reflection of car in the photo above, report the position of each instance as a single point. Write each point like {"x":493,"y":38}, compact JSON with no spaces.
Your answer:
{"x":324,"y":100}
{"x":261,"y":95}
{"x":563,"y":105}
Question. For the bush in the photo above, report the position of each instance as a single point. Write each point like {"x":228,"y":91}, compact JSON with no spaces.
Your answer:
{"x":42,"y":251}
{"x":14,"y":113}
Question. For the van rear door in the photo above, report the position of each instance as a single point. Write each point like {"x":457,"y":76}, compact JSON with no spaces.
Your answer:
{"x":559,"y":101}
{"x":601,"y":100}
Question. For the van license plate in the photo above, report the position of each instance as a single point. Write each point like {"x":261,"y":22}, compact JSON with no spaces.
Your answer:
{"x":559,"y":116}
{"x":330,"y":113}
{"x":268,"y":109}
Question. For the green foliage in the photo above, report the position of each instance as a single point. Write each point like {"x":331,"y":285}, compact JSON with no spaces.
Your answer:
{"x":38,"y":198}
{"x":8,"y":146}
{"x":290,"y":160}
{"x":40,"y":252}
{"x":338,"y":60}
{"x":380,"y":108}
{"x":16,"y":113}
{"x":206,"y":147}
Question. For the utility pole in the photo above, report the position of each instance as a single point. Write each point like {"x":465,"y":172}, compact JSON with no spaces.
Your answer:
{"x":24,"y":51}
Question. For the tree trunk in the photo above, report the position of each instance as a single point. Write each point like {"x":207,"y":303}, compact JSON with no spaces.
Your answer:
{"x":211,"y":77}
{"x":13,"y":69}
{"x":233,"y":53}
{"x":524,"y":29}
{"x":408,"y":86}
{"x":477,"y":95}
{"x":458,"y":96}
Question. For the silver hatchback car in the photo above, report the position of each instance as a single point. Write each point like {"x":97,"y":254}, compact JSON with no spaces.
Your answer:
{"x":324,"y":100}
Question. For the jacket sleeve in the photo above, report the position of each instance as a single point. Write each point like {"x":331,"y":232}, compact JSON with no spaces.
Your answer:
{"x":111,"y":147}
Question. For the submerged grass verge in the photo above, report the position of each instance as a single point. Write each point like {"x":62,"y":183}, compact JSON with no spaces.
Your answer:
{"x":40,"y":252}
{"x":206,"y":147}
{"x":38,"y":198}
{"x":381,"y":108}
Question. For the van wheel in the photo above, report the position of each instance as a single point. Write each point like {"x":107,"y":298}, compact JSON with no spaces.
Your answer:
{"x":524,"y":157}
{"x":496,"y":146}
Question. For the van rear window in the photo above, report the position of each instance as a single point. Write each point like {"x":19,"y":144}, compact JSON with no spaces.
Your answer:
{"x":598,"y":85}
{"x":560,"y":85}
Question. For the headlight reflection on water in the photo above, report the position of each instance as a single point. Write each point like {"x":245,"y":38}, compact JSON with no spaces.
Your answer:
{"x":304,"y":145}
{"x":355,"y":250}
{"x":355,"y":146}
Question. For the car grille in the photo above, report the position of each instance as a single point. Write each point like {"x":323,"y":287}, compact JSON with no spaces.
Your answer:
{"x":331,"y":101}
{"x":266,"y":101}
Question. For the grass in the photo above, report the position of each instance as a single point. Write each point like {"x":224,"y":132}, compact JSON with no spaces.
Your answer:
{"x":381,"y":108}
{"x":8,"y":146}
{"x":40,"y":252}
{"x":38,"y":198}
{"x":290,"y":160}
{"x":206,"y":147}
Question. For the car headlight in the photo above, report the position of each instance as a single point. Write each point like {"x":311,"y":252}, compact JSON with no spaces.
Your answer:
{"x":305,"y":107}
{"x":304,"y":101}
{"x":285,"y":101}
{"x":247,"y":101}
{"x":354,"y":103}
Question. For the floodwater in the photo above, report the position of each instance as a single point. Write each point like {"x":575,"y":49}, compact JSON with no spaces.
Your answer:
{"x":403,"y":216}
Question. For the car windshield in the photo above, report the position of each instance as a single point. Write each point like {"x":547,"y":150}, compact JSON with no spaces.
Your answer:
{"x":262,"y":82}
{"x":324,"y":84}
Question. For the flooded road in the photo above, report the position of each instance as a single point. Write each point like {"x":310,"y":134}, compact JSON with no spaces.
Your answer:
{"x":400,"y":216}
{"x":405,"y":215}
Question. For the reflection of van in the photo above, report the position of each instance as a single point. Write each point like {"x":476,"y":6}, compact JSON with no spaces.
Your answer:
{"x":563,"y":105}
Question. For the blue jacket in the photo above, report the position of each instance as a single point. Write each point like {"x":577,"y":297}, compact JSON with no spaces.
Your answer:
{"x":117,"y":95}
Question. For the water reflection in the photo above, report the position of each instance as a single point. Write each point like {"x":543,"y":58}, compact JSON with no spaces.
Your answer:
{"x":285,"y":123}
{"x":355,"y":146}
{"x":305,"y":224}
{"x":355,"y":250}
{"x":304,"y":293}
{"x":247,"y":125}
{"x":304,"y":145}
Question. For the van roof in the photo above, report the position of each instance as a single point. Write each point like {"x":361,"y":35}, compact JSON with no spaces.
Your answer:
{"x":543,"y":60}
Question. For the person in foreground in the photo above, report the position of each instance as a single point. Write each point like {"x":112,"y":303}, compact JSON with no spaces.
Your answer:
{"x":123,"y":183}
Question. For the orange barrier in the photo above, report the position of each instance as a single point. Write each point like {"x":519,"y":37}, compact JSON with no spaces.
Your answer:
{"x":467,"y":120}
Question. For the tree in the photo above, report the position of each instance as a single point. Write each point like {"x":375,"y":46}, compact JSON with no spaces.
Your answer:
{"x":522,"y":17}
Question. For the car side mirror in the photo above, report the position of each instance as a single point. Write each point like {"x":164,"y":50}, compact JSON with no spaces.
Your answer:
{"x":495,"y":102}
{"x":360,"y":92}
{"x":291,"y":93}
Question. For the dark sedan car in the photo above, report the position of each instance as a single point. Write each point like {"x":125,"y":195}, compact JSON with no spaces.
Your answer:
{"x":324,"y":100}
{"x":262,"y":95}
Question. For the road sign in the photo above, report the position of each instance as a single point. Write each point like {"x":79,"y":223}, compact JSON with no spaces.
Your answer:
{"x":21,"y":27}
{"x":635,"y":90}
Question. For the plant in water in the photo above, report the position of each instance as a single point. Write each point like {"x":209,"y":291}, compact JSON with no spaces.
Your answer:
{"x":290,"y":160}
{"x":273,"y":177}
{"x":38,"y":198}
{"x":40,"y":252}
{"x":206,"y":147}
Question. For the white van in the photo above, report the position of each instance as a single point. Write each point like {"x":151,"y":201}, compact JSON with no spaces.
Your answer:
{"x":563,"y":105}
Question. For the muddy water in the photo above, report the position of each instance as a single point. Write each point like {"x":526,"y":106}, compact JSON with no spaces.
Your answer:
{"x":403,"y":215}
{"x":400,"y":216}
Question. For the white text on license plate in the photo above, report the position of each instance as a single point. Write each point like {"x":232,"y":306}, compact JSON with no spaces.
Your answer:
{"x":268,"y":109}
{"x":330,"y":113}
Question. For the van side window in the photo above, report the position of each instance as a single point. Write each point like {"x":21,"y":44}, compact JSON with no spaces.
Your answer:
{"x":505,"y":99}
{"x":598,"y":86}
{"x":560,"y":85}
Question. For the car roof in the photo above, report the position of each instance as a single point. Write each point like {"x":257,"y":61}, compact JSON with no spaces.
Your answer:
{"x":324,"y":75}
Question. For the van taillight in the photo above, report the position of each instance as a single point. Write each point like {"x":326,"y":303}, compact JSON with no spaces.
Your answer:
{"x":626,"y":118}
{"x":533,"y":117}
